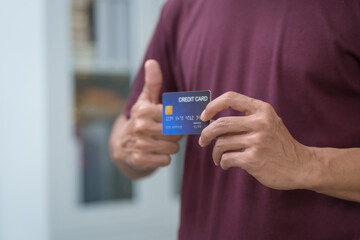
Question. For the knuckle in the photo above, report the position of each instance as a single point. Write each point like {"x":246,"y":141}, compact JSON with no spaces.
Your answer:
{"x":263,"y":123}
{"x":142,"y":110}
{"x":225,"y":160}
{"x":136,"y":159}
{"x":134,"y":109}
{"x":139,"y":126}
{"x":230,"y":94}
{"x":221,"y":123}
{"x":254,"y":162}
{"x":251,"y":155}
{"x":267,"y":108}
{"x":259,"y":139}
{"x":140,"y":144}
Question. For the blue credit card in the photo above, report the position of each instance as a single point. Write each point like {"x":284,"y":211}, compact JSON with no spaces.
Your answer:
{"x":182,"y":110}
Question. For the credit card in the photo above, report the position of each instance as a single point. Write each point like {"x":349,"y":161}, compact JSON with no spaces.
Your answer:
{"x":182,"y":110}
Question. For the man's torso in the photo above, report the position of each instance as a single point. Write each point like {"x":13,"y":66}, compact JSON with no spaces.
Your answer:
{"x":303,"y":57}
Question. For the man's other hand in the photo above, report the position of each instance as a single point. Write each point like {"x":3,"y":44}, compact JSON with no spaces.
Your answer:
{"x":137,"y":144}
{"x":257,"y":142}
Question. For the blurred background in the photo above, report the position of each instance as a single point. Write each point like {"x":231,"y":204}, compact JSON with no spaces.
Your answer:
{"x":66,"y":67}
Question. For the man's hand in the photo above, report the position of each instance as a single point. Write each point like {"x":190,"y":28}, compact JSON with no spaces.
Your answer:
{"x":258,"y":142}
{"x":137,"y":144}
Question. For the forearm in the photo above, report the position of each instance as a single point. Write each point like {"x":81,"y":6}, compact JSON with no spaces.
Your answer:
{"x":336,"y":172}
{"x":118,"y":134}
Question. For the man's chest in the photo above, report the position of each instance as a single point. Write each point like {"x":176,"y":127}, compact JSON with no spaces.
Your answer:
{"x":261,"y":48}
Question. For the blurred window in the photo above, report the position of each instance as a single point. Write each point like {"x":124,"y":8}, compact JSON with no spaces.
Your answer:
{"x":100,"y":45}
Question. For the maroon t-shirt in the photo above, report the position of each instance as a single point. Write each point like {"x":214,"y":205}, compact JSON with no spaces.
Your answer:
{"x":303,"y":57}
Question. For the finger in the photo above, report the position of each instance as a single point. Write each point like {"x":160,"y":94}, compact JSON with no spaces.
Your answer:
{"x":232,"y":100}
{"x":147,"y":127}
{"x":150,"y":145}
{"x":233,"y":159}
{"x":153,"y":129}
{"x":146,"y":110}
{"x":228,"y":143}
{"x":153,"y":82}
{"x":148,"y":161}
{"x":172,"y":138}
{"x":223,"y":126}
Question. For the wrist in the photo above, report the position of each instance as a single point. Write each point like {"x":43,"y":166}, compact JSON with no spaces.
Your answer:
{"x":310,"y":174}
{"x":316,"y":172}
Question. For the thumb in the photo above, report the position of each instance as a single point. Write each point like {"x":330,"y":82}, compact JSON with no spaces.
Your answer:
{"x":153,"y":81}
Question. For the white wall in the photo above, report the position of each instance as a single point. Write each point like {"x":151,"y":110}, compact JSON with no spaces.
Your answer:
{"x":23,"y":128}
{"x":144,"y":16}
{"x":38,"y":171}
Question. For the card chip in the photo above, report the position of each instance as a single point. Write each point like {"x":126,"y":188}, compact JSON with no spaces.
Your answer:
{"x":168,"y":110}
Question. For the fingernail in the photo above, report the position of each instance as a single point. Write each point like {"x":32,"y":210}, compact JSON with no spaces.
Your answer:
{"x":200,"y":142}
{"x":202,"y":115}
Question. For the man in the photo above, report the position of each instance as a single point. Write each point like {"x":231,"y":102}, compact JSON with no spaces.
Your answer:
{"x":288,"y":75}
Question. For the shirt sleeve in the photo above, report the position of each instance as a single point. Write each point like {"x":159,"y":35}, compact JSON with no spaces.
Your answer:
{"x":159,"y":49}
